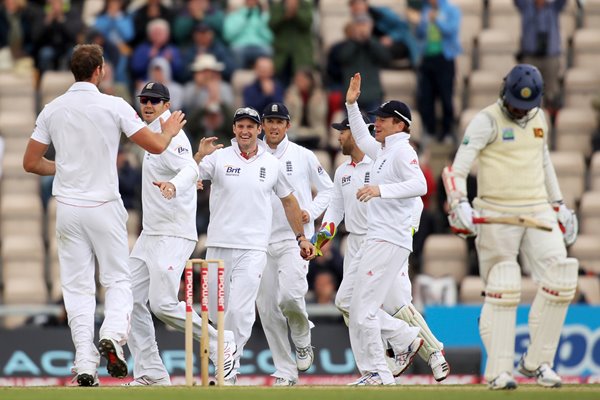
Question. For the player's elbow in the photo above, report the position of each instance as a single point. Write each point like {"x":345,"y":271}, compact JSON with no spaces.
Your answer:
{"x":30,"y":165}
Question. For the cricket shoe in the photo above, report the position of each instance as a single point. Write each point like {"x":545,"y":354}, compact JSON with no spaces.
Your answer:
{"x":439,"y":366}
{"x":229,"y":350}
{"x":544,"y":374}
{"x":113,"y":352}
{"x":504,"y":381}
{"x":368,"y":379}
{"x":145,"y":380}
{"x":231,"y":381}
{"x":403,"y":360}
{"x":304,"y":357}
{"x":285,"y":382}
{"x":86,"y":379}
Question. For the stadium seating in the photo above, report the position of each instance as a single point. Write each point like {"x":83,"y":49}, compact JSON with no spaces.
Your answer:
{"x":496,"y":49}
{"x":580,"y":85}
{"x":595,"y":172}
{"x":570,"y":170}
{"x":589,"y":214}
{"x":585,"y":249}
{"x":445,"y":255}
{"x":586,"y":47}
{"x":573,"y":130}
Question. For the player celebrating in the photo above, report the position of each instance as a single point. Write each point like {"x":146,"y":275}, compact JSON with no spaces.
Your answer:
{"x":244,"y":177}
{"x":283,"y":285}
{"x":167,"y":240}
{"x":509,"y":138}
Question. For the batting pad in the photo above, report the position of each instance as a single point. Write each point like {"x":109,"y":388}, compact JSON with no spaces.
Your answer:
{"x":413,"y":317}
{"x":498,"y":317}
{"x":548,"y":311}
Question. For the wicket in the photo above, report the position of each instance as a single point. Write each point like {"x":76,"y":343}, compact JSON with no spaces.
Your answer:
{"x":189,"y":328}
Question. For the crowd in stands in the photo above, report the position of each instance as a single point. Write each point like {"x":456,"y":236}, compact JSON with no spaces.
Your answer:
{"x":198,"y":47}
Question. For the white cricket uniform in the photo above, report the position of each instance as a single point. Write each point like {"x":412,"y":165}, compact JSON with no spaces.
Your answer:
{"x":283,"y":285}
{"x":240,"y":228}
{"x":388,"y":244}
{"x":160,"y":253}
{"x":85,"y":127}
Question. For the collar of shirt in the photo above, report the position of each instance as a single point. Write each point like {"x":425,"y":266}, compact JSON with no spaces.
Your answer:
{"x":236,"y":147}
{"x":87,"y":86}
{"x":280,"y":149}
{"x":365,"y":160}
{"x":394,"y":139}
{"x":155,"y":125}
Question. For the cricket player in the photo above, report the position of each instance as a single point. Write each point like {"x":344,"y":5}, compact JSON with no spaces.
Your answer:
{"x":515,"y":177}
{"x":85,"y":127}
{"x":396,"y":183}
{"x":283,"y":286}
{"x":167,"y":240}
{"x":244,"y":177}
{"x":349,"y":178}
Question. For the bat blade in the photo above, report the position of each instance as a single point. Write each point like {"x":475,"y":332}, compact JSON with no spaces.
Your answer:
{"x":519,"y":220}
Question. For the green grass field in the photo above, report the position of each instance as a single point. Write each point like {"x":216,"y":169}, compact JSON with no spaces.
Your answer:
{"x":437,"y":392}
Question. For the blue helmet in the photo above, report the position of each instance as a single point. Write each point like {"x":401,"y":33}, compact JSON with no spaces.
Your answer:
{"x":523,"y":87}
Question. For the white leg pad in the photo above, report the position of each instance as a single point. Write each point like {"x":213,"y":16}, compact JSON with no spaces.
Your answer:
{"x":413,"y":317}
{"x":548,"y":311}
{"x":498,"y":317}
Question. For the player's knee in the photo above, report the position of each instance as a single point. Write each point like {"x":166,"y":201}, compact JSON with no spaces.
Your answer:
{"x":161,"y":309}
{"x":342,"y":303}
{"x":503,"y":284}
{"x":559,"y":282}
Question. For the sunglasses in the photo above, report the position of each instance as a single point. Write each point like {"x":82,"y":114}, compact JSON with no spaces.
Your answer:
{"x":153,"y":100}
{"x":246,"y":111}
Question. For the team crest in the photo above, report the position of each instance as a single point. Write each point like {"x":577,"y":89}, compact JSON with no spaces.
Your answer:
{"x":262,"y":174}
{"x":526,"y":92}
{"x":288,"y":167}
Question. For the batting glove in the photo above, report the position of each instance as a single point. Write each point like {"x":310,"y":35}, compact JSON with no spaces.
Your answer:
{"x":460,"y":219}
{"x":567,"y":222}
{"x":321,"y":238}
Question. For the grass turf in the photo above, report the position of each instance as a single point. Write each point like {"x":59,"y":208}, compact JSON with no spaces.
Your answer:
{"x":437,"y":392}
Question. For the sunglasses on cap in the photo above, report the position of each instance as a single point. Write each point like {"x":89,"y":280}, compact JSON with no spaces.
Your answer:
{"x":246,"y":111}
{"x":153,"y":100}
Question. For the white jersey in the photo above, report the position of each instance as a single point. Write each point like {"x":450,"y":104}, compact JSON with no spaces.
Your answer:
{"x":177,"y":216}
{"x":84,"y":125}
{"x":240,"y":196}
{"x":348,"y":178}
{"x":400,"y":180}
{"x":303,"y":171}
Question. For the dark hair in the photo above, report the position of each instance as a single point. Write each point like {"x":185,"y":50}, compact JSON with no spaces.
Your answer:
{"x":406,"y":126}
{"x":84,"y":61}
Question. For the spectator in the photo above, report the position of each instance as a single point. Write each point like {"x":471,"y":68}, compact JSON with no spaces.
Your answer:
{"x":331,"y":261}
{"x":390,"y":29}
{"x":2,"y":146}
{"x":205,"y":42}
{"x":291,"y":24}
{"x":247,"y":32}
{"x":207,"y":86}
{"x":112,"y":87}
{"x":195,"y":12}
{"x":16,"y":20}
{"x":307,"y":103}
{"x":361,"y":52}
{"x":159,"y":71}
{"x":334,"y":76}
{"x":55,"y":35}
{"x":266,"y":88}
{"x":116,"y":24}
{"x":211,"y":120}
{"x":596,"y":136}
{"x":540,"y":42}
{"x":158,"y":44}
{"x":130,"y":180}
{"x":324,"y":288}
{"x":153,"y":9}
{"x":438,"y":36}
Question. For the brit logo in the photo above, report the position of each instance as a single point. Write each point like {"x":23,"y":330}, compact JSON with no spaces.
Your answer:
{"x":288,"y":167}
{"x":181,"y":150}
{"x":346,"y":179}
{"x":368,"y":177}
{"x":262,"y":175}
{"x":231,"y":170}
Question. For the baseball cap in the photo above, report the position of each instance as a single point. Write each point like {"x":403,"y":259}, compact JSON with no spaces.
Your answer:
{"x":276,"y":110}
{"x":345,"y":124}
{"x":393,"y":108}
{"x":246,"y":112}
{"x":156,"y":90}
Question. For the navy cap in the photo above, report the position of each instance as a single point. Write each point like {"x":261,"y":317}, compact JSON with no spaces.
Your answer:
{"x":394,"y":108}
{"x":276,"y":110}
{"x":345,"y":124}
{"x":156,"y":90}
{"x":246,"y":112}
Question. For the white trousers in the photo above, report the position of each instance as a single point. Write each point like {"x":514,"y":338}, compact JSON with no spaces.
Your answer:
{"x":243,"y":271}
{"x":281,"y":302}
{"x":157,"y":263}
{"x":376,"y":274}
{"x":83,"y":235}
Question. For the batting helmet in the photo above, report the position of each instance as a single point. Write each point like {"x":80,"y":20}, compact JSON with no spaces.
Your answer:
{"x":523,"y":87}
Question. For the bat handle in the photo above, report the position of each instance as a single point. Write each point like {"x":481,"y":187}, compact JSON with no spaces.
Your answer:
{"x":479,"y":220}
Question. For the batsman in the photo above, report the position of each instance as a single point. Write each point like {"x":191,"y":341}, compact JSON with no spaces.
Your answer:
{"x":515,"y":176}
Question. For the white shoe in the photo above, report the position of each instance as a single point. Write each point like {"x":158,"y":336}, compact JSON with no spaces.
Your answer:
{"x":232,"y":381}
{"x":145,"y":380}
{"x":504,"y":381}
{"x":229,"y":350}
{"x":403,"y":360}
{"x":544,"y":374}
{"x":285,"y":382}
{"x":304,"y":358}
{"x":439,"y":366}
{"x":368,"y":379}
{"x":113,"y":352}
{"x":87,"y":379}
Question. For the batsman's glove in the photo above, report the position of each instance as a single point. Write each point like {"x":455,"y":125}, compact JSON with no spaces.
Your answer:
{"x":567,"y":222}
{"x":460,"y":219}
{"x":323,"y":236}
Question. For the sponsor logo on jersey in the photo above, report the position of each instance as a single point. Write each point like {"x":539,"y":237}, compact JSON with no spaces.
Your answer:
{"x":181,"y":150}
{"x":320,"y":170}
{"x":231,"y":170}
{"x":538,"y":132}
{"x":414,"y":162}
{"x":262,"y":174}
{"x":346,"y":179}
{"x":508,"y":135}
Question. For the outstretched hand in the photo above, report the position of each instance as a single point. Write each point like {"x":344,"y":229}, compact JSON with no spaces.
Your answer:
{"x":173,"y":124}
{"x":207,"y":146}
{"x":353,"y":89}
{"x":167,"y":189}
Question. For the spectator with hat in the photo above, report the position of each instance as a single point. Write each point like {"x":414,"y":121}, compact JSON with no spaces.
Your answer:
{"x":207,"y":86}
